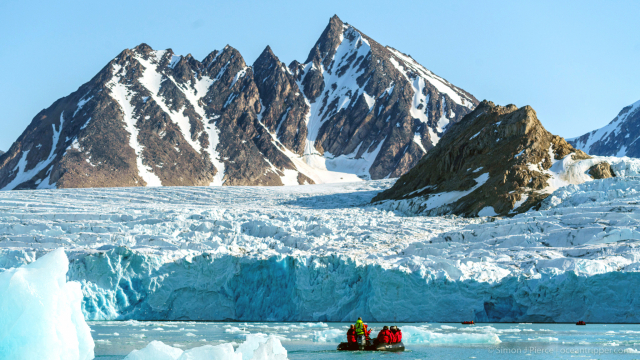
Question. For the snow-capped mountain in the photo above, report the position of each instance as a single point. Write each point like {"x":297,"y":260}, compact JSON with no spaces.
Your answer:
{"x":496,"y":161}
{"x":374,"y":110}
{"x":354,"y":110}
{"x":618,"y":138}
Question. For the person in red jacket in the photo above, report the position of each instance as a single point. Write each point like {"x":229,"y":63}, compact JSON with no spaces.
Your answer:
{"x":351,"y":335}
{"x":385,"y":336}
{"x":397,"y":334}
{"x":367,"y":333}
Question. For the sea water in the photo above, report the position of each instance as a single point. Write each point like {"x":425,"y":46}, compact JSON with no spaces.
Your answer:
{"x":115,"y":339}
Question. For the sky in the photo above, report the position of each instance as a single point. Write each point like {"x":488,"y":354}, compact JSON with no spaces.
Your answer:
{"x":575,"y":62}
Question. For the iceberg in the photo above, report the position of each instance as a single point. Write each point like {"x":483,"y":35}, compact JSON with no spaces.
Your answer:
{"x":255,"y":347}
{"x":41,"y":314}
{"x":156,"y":350}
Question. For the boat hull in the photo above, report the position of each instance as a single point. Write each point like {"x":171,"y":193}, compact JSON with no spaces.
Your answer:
{"x":397,"y":347}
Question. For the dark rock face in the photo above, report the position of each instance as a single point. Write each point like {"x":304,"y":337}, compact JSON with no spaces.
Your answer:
{"x":618,"y":138}
{"x":496,"y":161}
{"x":151,"y":118}
{"x":283,"y":108}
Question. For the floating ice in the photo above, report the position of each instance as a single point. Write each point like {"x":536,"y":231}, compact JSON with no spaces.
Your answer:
{"x":255,"y":347}
{"x":40,"y":312}
{"x":262,"y":347}
{"x":543,"y":339}
{"x":416,"y":335}
{"x":156,"y":350}
{"x":330,"y":335}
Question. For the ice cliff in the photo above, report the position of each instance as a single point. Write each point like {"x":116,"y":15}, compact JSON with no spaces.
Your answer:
{"x":322,"y":253}
{"x":40,"y":313}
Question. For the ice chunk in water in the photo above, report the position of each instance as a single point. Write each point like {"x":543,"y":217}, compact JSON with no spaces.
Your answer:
{"x":416,"y":335}
{"x":256,"y":347}
{"x":330,"y":335}
{"x":268,"y":348}
{"x":224,"y":351}
{"x":156,"y":350}
{"x":40,"y":312}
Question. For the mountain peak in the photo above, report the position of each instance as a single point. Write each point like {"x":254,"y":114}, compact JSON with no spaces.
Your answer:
{"x":267,"y":56}
{"x":618,"y":138}
{"x":143,"y":48}
{"x":328,"y":41}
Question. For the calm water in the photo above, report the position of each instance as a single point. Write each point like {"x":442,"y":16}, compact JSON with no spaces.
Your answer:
{"x":114,"y":340}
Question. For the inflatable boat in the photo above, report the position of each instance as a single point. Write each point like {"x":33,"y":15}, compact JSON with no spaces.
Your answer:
{"x":372,"y":347}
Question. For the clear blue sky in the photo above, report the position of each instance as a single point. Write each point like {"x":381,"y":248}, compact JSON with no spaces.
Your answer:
{"x":576,"y":62}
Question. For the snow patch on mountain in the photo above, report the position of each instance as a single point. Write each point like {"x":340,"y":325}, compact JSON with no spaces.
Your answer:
{"x":21,"y":168}
{"x":124,"y":96}
{"x":608,"y":136}
{"x":410,"y":66}
{"x":341,"y":86}
{"x":152,"y":80}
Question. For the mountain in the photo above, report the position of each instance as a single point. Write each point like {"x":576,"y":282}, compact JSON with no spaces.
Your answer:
{"x":496,"y":161}
{"x":618,"y":138}
{"x":374,"y":110}
{"x":1,"y":152}
{"x":354,"y":110}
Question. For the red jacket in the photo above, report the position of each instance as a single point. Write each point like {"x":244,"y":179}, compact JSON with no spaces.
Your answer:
{"x":385,"y":336}
{"x":351,"y":335}
{"x":397,"y":336}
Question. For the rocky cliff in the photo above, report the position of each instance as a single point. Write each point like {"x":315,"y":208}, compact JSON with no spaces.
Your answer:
{"x":496,"y":161}
{"x":354,"y":110}
{"x":618,"y":138}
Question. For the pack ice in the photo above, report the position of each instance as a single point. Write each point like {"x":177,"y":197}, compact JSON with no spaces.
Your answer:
{"x":322,"y":253}
{"x":255,"y":347}
{"x":40,"y":312}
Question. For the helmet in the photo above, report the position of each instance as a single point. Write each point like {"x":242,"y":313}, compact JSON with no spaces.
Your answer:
{"x":385,"y":328}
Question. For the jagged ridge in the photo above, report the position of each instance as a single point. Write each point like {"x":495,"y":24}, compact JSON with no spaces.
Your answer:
{"x":355,"y":110}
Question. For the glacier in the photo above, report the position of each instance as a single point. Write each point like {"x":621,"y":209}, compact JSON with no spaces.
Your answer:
{"x":40,"y":313}
{"x":324,"y":253}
